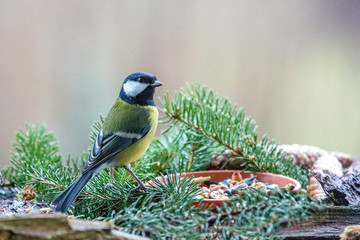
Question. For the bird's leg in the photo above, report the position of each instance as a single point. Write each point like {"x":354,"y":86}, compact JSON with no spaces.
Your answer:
{"x":111,"y":183}
{"x":141,"y":184}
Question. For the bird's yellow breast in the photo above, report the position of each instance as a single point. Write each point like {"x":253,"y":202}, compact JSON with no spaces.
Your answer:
{"x":136,"y":150}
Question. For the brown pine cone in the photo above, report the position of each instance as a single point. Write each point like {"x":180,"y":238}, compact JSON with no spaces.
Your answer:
{"x":306,"y":156}
{"x":28,"y":193}
{"x":227,"y":160}
{"x":314,"y":189}
{"x":325,"y":162}
{"x":345,"y":159}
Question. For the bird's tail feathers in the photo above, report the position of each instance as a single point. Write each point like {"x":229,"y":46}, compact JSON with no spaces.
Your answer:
{"x":63,"y":201}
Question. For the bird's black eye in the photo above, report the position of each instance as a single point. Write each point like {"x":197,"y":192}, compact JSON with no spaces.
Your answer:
{"x":139,"y":79}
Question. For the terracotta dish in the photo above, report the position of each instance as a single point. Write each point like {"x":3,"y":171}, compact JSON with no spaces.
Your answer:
{"x":220,"y":175}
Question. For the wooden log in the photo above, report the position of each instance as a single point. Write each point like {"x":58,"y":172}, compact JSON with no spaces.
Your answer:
{"x":57,"y":227}
{"x":327,"y":224}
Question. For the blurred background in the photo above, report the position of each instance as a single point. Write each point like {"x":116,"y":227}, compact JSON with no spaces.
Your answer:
{"x":294,"y":66}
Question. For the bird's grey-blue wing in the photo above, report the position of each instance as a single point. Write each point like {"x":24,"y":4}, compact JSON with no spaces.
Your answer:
{"x":108,"y":145}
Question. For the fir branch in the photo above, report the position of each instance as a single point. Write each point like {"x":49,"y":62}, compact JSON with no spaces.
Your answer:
{"x":38,"y":179}
{"x":31,"y":150}
{"x":202,"y":111}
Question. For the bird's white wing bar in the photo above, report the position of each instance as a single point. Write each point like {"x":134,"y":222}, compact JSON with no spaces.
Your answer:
{"x":129,"y":135}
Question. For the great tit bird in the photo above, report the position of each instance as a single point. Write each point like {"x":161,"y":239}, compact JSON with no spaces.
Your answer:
{"x":126,"y":134}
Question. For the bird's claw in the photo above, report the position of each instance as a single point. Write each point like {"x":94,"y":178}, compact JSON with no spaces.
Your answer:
{"x":109,"y":185}
{"x":132,"y":191}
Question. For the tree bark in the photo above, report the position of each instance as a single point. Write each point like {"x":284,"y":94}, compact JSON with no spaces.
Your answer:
{"x":58,"y":227}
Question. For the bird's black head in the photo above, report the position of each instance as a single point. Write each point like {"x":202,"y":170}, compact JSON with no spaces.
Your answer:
{"x":138,"y":88}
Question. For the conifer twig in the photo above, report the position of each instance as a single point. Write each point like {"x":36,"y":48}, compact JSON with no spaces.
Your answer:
{"x":62,"y":188}
{"x":191,"y":157}
{"x":237,"y":150}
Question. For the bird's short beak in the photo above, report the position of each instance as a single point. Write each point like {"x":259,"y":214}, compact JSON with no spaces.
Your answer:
{"x":156,"y":84}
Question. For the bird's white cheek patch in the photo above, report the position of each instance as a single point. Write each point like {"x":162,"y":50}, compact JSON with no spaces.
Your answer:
{"x":132,"y":89}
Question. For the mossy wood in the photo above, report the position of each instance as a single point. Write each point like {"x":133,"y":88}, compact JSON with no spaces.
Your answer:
{"x":57,"y":227}
{"x":326,"y":224}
